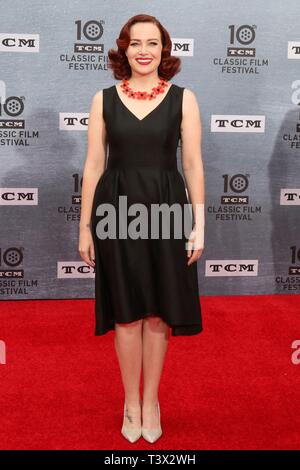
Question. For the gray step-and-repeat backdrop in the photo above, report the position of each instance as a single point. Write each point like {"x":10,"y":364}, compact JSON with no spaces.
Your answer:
{"x":242,"y":61}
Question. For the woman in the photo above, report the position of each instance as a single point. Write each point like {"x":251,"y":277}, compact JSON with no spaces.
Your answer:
{"x":143,"y":286}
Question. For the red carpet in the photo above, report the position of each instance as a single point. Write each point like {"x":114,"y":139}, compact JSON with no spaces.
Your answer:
{"x":234,"y":386}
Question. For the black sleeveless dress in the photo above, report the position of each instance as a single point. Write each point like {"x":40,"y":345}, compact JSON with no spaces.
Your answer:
{"x":135,"y":278}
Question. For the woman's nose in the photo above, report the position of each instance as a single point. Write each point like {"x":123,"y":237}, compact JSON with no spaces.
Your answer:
{"x":143,"y":49}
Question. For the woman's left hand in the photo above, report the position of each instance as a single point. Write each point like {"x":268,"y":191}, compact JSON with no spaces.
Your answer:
{"x":195,"y":245}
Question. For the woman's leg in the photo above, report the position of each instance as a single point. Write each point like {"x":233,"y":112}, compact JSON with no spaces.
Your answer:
{"x":128,"y":345}
{"x":155,"y":343}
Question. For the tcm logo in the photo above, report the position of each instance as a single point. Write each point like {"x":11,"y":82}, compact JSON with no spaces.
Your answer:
{"x":295,"y":358}
{"x":236,"y":184}
{"x":18,"y":196}
{"x":74,"y":269}
{"x":232,"y":267}
{"x":11,"y":108}
{"x":91,"y":30}
{"x":290,"y":197}
{"x":243,"y":36}
{"x":237,"y":123}
{"x":18,"y":42}
{"x":182,"y":46}
{"x":10,"y":260}
{"x":293,"y":50}
{"x":2,"y":352}
{"x":73,"y":121}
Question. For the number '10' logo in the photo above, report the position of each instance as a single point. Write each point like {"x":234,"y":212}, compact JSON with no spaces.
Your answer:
{"x":92,"y":30}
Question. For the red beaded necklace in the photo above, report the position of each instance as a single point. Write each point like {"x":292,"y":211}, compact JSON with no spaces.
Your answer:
{"x":143,"y":95}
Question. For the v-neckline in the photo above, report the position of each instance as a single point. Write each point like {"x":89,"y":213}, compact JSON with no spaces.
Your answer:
{"x":151,"y":112}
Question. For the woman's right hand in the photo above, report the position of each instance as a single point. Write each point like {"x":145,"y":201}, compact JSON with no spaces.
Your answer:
{"x":86,"y":246}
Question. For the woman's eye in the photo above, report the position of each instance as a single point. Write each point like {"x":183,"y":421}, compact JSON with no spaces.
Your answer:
{"x":135,"y":43}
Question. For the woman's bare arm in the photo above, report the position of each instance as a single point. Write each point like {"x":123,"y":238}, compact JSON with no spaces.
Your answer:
{"x":191,"y":156}
{"x":95,"y":159}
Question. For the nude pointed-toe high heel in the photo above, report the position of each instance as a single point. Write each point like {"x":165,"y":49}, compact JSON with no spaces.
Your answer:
{"x":131,"y":434}
{"x":151,"y":435}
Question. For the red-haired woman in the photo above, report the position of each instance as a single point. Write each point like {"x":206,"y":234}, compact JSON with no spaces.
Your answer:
{"x":148,"y":284}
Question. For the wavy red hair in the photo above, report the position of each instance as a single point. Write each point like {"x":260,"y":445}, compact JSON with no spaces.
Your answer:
{"x":169,"y":65}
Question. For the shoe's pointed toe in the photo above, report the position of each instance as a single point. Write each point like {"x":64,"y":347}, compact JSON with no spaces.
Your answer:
{"x":131,"y":435}
{"x":151,"y":435}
